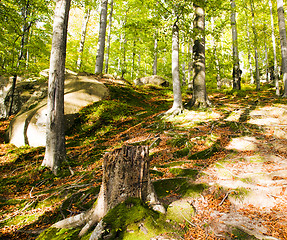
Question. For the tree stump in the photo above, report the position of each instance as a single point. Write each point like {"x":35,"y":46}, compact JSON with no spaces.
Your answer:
{"x":125,"y":175}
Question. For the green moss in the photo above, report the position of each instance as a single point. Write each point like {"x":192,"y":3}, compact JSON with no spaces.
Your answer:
{"x":180,"y":211}
{"x":59,"y":234}
{"x":181,"y":153}
{"x":181,"y":186}
{"x":129,"y":215}
{"x":178,"y":141}
{"x":184,"y":172}
{"x":241,"y":235}
{"x":206,"y":153}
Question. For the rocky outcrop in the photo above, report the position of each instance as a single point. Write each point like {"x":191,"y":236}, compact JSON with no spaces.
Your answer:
{"x":154,"y":80}
{"x":29,"y":126}
{"x":5,"y":85}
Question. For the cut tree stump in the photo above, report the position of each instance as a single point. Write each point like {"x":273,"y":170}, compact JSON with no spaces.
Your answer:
{"x":125,"y":175}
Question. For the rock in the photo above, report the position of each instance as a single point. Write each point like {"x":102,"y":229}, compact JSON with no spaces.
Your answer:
{"x":68,"y":73}
{"x":29,"y":126}
{"x":5,"y":85}
{"x":154,"y":80}
{"x":180,"y":211}
{"x":225,"y":82}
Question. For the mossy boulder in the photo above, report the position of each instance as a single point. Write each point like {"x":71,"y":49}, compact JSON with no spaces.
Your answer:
{"x":180,"y":211}
{"x":29,"y":126}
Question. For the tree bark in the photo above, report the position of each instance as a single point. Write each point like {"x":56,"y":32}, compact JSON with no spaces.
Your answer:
{"x":217,"y":66}
{"x":55,"y":139}
{"x":24,"y":41}
{"x":249,"y":51}
{"x":257,"y":79}
{"x":276,"y":75}
{"x":83,"y":37}
{"x":183,"y":65}
{"x":190,"y":65}
{"x":177,"y":107}
{"x":154,"y":66}
{"x":109,"y":36}
{"x":102,"y":38}
{"x":236,"y":67}
{"x":283,"y":42}
{"x":199,"y":97}
{"x":125,"y":175}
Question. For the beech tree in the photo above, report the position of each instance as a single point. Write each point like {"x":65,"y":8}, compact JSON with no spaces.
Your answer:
{"x":83,"y":36}
{"x":102,"y":37}
{"x":236,"y":68}
{"x":199,"y":96}
{"x":276,"y":75}
{"x":283,"y":42}
{"x":257,"y":79}
{"x":177,"y":107}
{"x":55,"y":152}
{"x":109,"y":36}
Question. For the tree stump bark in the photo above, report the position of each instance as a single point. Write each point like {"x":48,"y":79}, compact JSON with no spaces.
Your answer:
{"x":125,"y":175}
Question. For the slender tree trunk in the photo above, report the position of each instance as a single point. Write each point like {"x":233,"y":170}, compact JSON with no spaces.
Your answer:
{"x":266,"y":60}
{"x":183,"y":64}
{"x":55,"y":139}
{"x":123,"y":42}
{"x":83,"y":37}
{"x":190,"y":65}
{"x":276,"y":75}
{"x":13,"y":87}
{"x":283,"y":42}
{"x":217,"y":67}
{"x":22,"y":53}
{"x":154,"y":66}
{"x":102,"y":37}
{"x":109,"y":36}
{"x":133,"y":59}
{"x":236,"y":67}
{"x":199,"y":97}
{"x":177,"y":106}
{"x":249,"y":51}
{"x":255,"y":47}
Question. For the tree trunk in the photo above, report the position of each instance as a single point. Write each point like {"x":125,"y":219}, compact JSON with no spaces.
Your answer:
{"x":125,"y":175}
{"x":83,"y":37}
{"x":109,"y":36}
{"x":177,"y":107}
{"x":190,"y":67}
{"x":102,"y":37}
{"x":24,"y":41}
{"x":283,"y":42}
{"x":236,"y":67}
{"x":183,"y":65}
{"x":276,"y":76}
{"x":13,"y":87}
{"x":199,"y":97}
{"x":154,"y":66}
{"x":217,"y":67}
{"x":249,"y":51}
{"x":255,"y":47}
{"x":266,"y":60}
{"x":55,"y":139}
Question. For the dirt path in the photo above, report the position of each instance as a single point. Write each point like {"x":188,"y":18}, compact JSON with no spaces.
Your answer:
{"x":252,"y":178}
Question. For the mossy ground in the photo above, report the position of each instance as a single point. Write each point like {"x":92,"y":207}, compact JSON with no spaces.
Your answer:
{"x":32,"y":199}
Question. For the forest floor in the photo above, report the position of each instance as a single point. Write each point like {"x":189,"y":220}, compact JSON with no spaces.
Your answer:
{"x":229,"y":163}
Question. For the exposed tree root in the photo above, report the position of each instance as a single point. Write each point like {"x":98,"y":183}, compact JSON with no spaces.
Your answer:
{"x":174,"y":111}
{"x":198,"y":103}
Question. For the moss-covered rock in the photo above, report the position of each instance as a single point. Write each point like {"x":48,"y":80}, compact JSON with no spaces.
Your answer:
{"x":180,"y":211}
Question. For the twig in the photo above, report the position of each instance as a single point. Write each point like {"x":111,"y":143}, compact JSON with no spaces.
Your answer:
{"x":226,"y":196}
{"x":192,"y":224}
